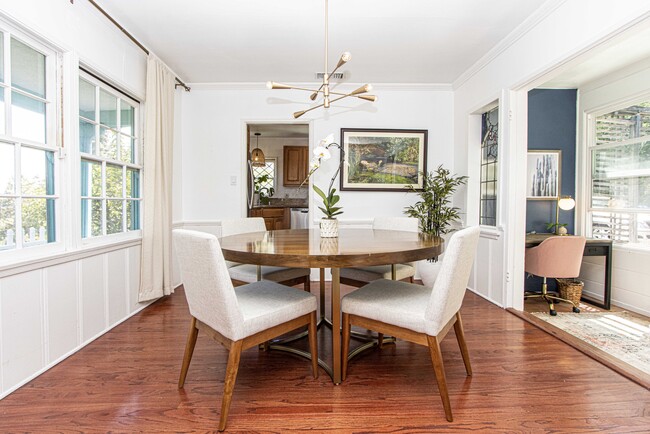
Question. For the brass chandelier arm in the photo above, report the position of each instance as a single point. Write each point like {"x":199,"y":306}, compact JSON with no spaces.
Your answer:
{"x":356,"y":93}
{"x":372,"y":98}
{"x":324,"y":87}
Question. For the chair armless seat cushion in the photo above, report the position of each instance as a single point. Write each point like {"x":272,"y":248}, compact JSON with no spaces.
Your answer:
{"x":400,"y":303}
{"x":375,"y":272}
{"x":248,"y":273}
{"x":266,"y":304}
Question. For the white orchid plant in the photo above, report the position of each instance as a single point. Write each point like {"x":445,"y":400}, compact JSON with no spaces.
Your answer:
{"x":330,"y":199}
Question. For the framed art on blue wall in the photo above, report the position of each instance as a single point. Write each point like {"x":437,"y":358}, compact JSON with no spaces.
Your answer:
{"x":543,"y":174}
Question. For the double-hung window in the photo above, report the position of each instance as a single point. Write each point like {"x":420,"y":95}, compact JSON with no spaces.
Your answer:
{"x":29,"y":191}
{"x":110,"y":159}
{"x":620,"y":175}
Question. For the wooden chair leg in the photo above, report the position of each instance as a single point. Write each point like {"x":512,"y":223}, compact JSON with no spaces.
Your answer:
{"x":380,"y":340}
{"x":460,"y":337}
{"x":439,"y":369}
{"x":189,"y":350}
{"x":307,"y":284}
{"x":313,"y":344}
{"x":346,"y":345}
{"x":229,"y":384}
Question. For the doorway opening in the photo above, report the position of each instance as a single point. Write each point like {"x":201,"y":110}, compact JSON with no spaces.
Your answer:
{"x":278,"y":163}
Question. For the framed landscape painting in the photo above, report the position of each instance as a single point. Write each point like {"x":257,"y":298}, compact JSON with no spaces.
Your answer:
{"x":383,"y":160}
{"x":543,"y":174}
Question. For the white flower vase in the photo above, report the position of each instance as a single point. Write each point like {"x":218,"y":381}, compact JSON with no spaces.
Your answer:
{"x":561,"y":230}
{"x":329,"y":228}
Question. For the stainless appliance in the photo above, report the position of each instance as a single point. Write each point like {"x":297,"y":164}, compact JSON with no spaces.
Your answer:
{"x":299,"y":218}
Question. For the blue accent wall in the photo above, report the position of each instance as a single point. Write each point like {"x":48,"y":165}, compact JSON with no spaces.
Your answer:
{"x":552,"y":125}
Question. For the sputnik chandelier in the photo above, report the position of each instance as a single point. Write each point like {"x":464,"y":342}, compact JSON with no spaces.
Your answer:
{"x":324,"y":88}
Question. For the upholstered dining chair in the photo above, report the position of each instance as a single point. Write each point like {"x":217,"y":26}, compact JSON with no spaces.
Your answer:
{"x":363,"y":275}
{"x":558,"y":257}
{"x":417,"y":313}
{"x":242,"y":274}
{"x":238,"y":318}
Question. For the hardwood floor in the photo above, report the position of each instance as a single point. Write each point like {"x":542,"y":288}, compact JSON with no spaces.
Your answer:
{"x":524,"y":381}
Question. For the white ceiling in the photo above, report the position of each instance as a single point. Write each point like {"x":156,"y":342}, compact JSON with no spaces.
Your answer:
{"x":407,"y":41}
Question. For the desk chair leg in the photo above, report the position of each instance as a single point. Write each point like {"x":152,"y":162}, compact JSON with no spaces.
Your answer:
{"x":551,"y":305}
{"x":229,"y":384}
{"x":189,"y":350}
{"x":439,"y":369}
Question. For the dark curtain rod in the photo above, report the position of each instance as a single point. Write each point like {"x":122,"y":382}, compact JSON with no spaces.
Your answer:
{"x":179,"y":82}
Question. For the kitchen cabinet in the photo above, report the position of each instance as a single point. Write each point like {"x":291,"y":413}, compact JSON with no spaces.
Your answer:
{"x":296,"y":164}
{"x":274,"y":218}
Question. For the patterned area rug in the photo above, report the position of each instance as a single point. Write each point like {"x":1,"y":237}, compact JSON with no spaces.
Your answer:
{"x":617,"y":333}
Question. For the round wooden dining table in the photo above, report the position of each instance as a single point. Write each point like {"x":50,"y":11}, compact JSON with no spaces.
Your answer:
{"x":304,"y":248}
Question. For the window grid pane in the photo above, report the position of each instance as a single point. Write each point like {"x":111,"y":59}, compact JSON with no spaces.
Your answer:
{"x":28,"y":199}
{"x":27,"y":69}
{"x":269,"y":170}
{"x":620,"y":175}
{"x":489,"y":168}
{"x":116,"y":186}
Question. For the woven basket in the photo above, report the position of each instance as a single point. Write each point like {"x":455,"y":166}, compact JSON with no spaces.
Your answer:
{"x":570,"y":289}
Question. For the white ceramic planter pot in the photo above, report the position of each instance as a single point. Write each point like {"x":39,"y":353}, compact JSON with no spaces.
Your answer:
{"x":329,"y":228}
{"x":561,"y":230}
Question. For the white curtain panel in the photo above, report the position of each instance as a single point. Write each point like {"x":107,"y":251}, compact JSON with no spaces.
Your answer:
{"x":156,"y":266}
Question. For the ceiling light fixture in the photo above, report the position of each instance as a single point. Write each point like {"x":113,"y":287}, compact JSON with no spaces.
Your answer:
{"x":325,"y":86}
{"x":257,"y":156}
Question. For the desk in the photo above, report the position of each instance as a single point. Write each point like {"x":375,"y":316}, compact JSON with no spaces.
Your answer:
{"x":304,"y":248}
{"x":593,"y":247}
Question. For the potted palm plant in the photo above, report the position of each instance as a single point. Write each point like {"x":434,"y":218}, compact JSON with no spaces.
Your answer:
{"x":434,"y":211}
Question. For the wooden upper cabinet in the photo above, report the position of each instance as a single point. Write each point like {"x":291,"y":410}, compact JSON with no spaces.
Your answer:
{"x":296,"y":162}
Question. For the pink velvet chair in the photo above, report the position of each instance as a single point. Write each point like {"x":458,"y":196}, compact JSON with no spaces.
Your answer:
{"x":558,"y":257}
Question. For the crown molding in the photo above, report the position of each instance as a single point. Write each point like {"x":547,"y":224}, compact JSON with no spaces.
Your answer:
{"x":533,"y":20}
{"x":257,"y":86}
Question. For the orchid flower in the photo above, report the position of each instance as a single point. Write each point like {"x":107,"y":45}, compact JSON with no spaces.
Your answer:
{"x":322,"y":152}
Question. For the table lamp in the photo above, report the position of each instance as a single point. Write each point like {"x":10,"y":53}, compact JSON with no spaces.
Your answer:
{"x":565,"y":203}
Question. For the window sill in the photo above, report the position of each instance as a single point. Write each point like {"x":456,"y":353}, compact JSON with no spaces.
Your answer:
{"x":636,"y":248}
{"x":49,"y":260}
{"x":491,"y":232}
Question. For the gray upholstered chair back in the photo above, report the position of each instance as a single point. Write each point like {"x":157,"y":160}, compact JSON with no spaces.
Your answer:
{"x":242,"y":226}
{"x":209,"y":291}
{"x":409,"y":224}
{"x":449,"y":287}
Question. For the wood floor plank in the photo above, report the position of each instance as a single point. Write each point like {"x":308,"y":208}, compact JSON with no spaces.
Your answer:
{"x":524,"y":381}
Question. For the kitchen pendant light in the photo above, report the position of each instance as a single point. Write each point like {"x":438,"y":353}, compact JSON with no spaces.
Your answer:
{"x":257,"y":156}
{"x":324,"y":88}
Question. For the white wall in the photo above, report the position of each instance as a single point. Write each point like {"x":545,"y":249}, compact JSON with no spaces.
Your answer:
{"x":80,"y":29}
{"x":214,"y":142}
{"x":630,"y":271}
{"x":560,"y":33}
{"x":52,"y":307}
